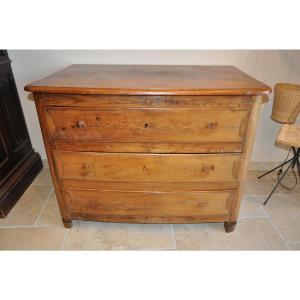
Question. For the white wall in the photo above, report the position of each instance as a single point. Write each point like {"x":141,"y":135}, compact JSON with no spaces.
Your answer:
{"x":267,"y":66}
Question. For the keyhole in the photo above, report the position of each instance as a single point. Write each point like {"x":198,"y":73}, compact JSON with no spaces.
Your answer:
{"x":146,"y":125}
{"x":211,"y":125}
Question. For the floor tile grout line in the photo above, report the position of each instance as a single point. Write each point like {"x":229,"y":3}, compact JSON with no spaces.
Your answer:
{"x":64,"y":240}
{"x":266,"y":195}
{"x":174,"y":238}
{"x":210,"y":237}
{"x":253,"y":217}
{"x":50,"y":195}
{"x":39,"y":184}
{"x":55,"y":199}
{"x":137,"y":249}
{"x":208,"y":228}
{"x":273,"y":224}
{"x":149,"y":249}
{"x":43,"y":207}
{"x":28,"y":226}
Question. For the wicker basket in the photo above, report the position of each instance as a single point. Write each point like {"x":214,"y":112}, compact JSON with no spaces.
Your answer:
{"x":286,"y":106}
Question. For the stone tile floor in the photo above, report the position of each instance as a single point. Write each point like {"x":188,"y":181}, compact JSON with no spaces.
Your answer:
{"x":35,"y":224}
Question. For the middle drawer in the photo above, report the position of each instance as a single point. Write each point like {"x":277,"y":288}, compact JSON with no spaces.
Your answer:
{"x":148,"y":125}
{"x":211,"y":171}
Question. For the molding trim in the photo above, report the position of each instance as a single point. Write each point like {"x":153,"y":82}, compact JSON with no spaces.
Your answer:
{"x":253,"y":165}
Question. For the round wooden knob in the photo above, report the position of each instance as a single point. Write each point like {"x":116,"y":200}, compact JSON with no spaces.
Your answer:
{"x":81,"y":124}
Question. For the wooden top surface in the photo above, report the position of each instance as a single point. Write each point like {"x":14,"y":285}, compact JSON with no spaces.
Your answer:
{"x":149,"y":80}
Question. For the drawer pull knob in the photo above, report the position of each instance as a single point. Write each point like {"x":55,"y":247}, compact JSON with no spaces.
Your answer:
{"x":211,"y":125}
{"x":81,"y":124}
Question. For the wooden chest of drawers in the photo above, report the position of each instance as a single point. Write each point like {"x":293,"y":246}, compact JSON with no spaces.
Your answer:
{"x":149,"y":144}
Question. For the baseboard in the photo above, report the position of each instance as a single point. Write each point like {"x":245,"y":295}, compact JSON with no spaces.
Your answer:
{"x":45,"y":163}
{"x":263,"y":165}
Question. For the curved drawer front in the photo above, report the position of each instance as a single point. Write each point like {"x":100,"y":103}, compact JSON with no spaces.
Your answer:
{"x":150,"y":204}
{"x":143,"y":168}
{"x":156,"y":125}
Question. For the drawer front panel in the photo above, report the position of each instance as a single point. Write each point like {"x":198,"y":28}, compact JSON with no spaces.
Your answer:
{"x":152,"y":204}
{"x":132,"y":167}
{"x":182,"y":125}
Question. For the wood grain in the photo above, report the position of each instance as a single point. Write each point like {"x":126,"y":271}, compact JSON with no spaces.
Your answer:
{"x":147,"y":219}
{"x":245,"y":158}
{"x":140,"y":101}
{"x":62,"y":203}
{"x":149,"y":144}
{"x":149,"y":186}
{"x":133,"y":167}
{"x":150,"y":203}
{"x":116,"y":147}
{"x":150,"y":80}
{"x":147,"y":125}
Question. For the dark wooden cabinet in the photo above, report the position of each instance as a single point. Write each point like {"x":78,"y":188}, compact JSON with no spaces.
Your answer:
{"x":19,"y":164}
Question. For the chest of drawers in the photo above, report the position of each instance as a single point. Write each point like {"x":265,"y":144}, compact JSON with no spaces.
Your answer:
{"x":149,"y":144}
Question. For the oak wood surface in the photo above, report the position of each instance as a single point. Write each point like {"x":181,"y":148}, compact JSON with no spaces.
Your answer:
{"x":245,"y":158}
{"x":186,"y":125}
{"x":145,"y":218}
{"x":133,"y":167}
{"x":233,"y":105}
{"x":149,"y":147}
{"x":150,"y":203}
{"x":149,"y":186}
{"x":63,"y":205}
{"x":141,"y":101}
{"x":150,"y":80}
{"x":149,"y":144}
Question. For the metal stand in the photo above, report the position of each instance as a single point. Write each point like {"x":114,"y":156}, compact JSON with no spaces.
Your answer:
{"x":292,"y":162}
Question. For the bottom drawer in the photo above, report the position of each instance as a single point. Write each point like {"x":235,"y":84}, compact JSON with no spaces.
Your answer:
{"x":144,"y":205}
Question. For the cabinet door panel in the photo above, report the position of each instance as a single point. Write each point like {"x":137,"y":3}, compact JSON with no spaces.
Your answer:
{"x":15,"y":140}
{"x":19,"y":164}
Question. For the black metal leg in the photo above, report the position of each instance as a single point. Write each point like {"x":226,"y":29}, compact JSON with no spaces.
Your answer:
{"x":286,"y":162}
{"x":290,"y":165}
{"x":298,"y":165}
{"x":297,"y":155}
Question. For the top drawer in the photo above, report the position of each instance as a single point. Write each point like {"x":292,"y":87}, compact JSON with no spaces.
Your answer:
{"x":147,"y":125}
